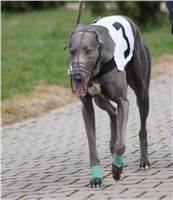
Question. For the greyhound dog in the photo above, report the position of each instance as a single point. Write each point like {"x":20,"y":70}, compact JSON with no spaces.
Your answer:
{"x":105,"y":57}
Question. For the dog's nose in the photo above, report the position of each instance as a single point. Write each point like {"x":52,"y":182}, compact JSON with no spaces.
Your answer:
{"x":76,"y":77}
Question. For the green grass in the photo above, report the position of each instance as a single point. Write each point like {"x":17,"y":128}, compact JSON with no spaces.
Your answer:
{"x":158,"y":38}
{"x":32,"y":51}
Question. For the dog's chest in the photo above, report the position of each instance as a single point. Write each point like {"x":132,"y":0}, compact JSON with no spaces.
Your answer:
{"x":97,"y":89}
{"x":94,"y":89}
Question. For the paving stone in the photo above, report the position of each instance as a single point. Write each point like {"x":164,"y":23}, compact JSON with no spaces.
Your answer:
{"x":47,"y":157}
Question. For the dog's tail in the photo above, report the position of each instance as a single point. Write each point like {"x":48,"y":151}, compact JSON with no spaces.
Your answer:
{"x":78,"y":15}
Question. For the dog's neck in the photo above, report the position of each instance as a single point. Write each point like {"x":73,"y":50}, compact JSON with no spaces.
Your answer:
{"x":106,"y":68}
{"x":93,"y":84}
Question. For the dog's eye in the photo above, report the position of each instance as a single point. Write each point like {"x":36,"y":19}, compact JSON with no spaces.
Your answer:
{"x":89,"y":51}
{"x":73,"y":52}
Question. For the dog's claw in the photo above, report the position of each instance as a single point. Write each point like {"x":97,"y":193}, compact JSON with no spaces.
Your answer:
{"x":145,"y":168}
{"x":116,"y":171}
{"x":96,"y":183}
{"x":145,"y":165}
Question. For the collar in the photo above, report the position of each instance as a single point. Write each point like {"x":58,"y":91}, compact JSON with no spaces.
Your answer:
{"x":107,"y":67}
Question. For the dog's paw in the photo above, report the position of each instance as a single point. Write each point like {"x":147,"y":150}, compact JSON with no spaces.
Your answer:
{"x":144,"y":165}
{"x":116,"y":172}
{"x":96,"y":183}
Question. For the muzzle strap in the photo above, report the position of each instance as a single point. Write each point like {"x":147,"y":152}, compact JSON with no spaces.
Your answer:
{"x":70,"y":69}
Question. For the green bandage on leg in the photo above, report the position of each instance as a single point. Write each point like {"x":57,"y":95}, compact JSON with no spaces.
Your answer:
{"x":118,"y":160}
{"x":96,"y":172}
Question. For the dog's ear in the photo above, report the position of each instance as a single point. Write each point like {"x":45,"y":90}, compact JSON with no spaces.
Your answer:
{"x":78,"y":28}
{"x":100,"y":47}
{"x":97,"y":37}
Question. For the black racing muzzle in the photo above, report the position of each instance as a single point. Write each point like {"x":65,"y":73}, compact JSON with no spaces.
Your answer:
{"x":78,"y":82}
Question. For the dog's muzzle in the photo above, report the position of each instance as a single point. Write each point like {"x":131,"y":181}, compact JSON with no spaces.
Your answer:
{"x":76,"y":77}
{"x":79,"y":83}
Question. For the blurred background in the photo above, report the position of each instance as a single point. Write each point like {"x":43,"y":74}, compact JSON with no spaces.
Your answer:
{"x":35,"y":33}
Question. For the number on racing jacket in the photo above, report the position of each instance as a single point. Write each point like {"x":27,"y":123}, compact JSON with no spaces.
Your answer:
{"x":117,"y":26}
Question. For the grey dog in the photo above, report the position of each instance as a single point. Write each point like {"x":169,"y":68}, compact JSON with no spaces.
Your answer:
{"x":95,"y":75}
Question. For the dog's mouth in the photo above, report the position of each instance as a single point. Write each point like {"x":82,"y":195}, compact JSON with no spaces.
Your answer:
{"x":80,"y":88}
{"x":79,"y":80}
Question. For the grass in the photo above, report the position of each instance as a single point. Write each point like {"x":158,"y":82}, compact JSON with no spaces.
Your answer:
{"x":159,"y":38}
{"x":32,"y":51}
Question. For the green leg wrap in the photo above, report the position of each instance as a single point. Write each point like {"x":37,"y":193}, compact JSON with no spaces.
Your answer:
{"x":96,"y":172}
{"x":118,"y":160}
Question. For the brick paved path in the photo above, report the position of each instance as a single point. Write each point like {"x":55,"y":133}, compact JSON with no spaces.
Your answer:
{"x":47,"y":157}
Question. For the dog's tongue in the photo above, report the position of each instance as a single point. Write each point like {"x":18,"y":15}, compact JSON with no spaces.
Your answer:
{"x":79,"y":89}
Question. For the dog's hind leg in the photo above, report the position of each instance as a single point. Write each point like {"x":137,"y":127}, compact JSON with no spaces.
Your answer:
{"x":143,"y":104}
{"x":105,"y":104}
{"x":138,"y":76}
{"x":142,"y":93}
{"x":89,"y":120}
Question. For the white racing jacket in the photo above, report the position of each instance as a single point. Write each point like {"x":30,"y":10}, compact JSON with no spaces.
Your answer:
{"x":121,"y":32}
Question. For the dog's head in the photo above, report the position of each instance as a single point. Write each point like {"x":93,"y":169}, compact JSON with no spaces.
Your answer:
{"x":85,"y":52}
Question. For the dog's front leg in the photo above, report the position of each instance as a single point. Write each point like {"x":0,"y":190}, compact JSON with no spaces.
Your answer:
{"x":89,"y":120}
{"x":120,"y":145}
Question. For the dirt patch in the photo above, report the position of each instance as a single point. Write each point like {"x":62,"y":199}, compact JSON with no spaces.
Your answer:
{"x":42,"y":99}
{"x":161,"y":65}
{"x":47,"y":97}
